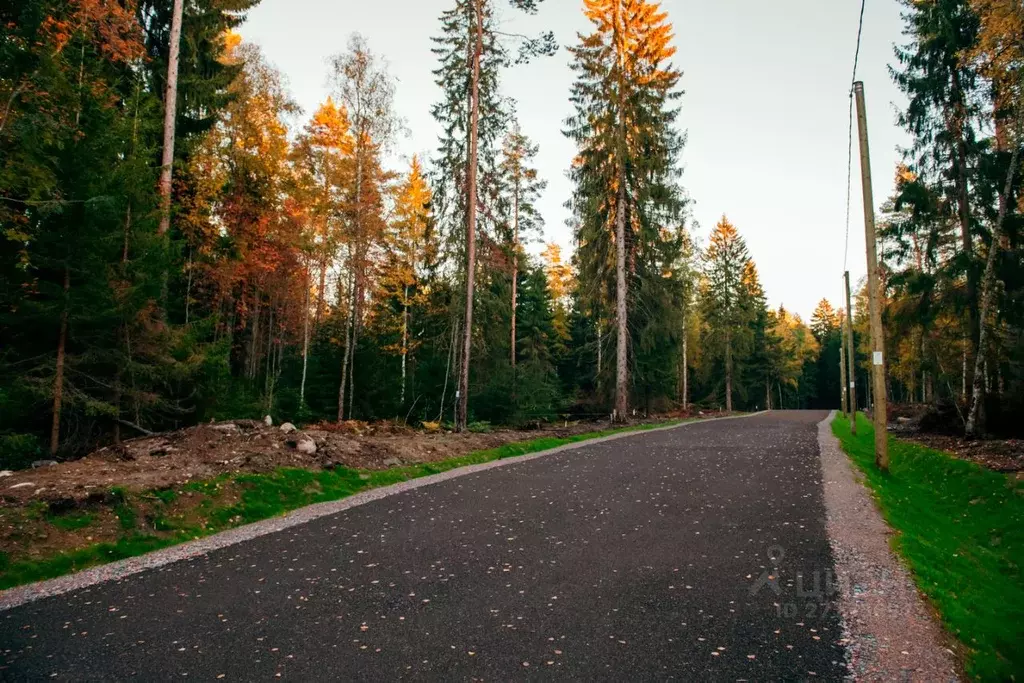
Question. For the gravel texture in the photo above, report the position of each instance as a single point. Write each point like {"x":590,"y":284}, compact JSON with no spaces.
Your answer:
{"x":890,"y":632}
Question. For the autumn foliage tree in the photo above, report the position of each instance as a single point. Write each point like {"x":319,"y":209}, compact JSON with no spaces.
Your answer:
{"x":301,"y":273}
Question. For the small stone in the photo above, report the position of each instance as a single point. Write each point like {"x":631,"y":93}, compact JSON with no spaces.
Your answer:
{"x":307,"y":446}
{"x":288,"y":427}
{"x":6,"y":473}
{"x":267,"y":420}
{"x":43,"y":463}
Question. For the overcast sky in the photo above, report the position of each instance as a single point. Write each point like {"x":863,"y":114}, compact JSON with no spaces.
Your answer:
{"x":765,"y":111}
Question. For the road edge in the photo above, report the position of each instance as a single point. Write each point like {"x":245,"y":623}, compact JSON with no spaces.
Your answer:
{"x":889,"y":631}
{"x":120,"y":569}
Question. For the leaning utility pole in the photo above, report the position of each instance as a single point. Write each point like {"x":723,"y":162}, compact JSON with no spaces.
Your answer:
{"x":879,"y":408}
{"x":850,"y":358}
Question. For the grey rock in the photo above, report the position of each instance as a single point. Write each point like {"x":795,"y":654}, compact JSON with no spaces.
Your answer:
{"x":43,"y":463}
{"x":6,"y":473}
{"x":227,"y":428}
{"x":287,"y":427}
{"x":303,"y":444}
{"x":269,"y":421}
{"x":392,"y":462}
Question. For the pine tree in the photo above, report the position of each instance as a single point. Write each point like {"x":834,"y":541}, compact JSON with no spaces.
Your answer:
{"x":725,"y":295}
{"x":473,"y":118}
{"x":518,"y":176}
{"x":943,"y":116}
{"x":1000,"y":51}
{"x":824,"y":320}
{"x":625,"y":169}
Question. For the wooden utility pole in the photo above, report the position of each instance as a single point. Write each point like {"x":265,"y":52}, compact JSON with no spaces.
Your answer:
{"x":850,"y":359}
{"x":843,"y":405}
{"x":879,"y":409}
{"x":170,"y":111}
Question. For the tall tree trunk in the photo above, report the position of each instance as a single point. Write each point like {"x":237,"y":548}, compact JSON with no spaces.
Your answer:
{"x":348,"y":342}
{"x":450,"y":356}
{"x":170,"y":112}
{"x":767,"y":393}
{"x":515,"y":265}
{"x":320,"y":290}
{"x":305,"y":337}
{"x":405,"y":337}
{"x":357,"y":272}
{"x":269,"y":379}
{"x":600,"y":334}
{"x":58,"y":378}
{"x":621,"y":351}
{"x":976,"y":417}
{"x":963,"y":374}
{"x":686,"y":372}
{"x":356,"y":313}
{"x":118,"y":387}
{"x":728,"y":371}
{"x":959,"y":120}
{"x":254,"y":341}
{"x":621,"y":369}
{"x":188,"y":285}
{"x":474,"y":120}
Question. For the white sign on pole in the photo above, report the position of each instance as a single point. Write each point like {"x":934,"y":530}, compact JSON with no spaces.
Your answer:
{"x":876,"y":358}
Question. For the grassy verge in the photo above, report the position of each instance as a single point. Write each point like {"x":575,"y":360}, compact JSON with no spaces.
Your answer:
{"x":961,"y":530}
{"x":157,"y":519}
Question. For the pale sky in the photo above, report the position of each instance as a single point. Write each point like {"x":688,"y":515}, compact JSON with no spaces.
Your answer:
{"x":765,"y":111}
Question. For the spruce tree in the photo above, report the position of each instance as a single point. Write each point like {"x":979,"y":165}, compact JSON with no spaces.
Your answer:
{"x":473,"y":119}
{"x":522,"y":188}
{"x":726,"y":293}
{"x":625,"y":171}
{"x":943,"y":115}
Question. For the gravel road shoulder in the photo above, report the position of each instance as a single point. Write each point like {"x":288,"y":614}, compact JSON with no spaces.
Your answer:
{"x":890,"y":631}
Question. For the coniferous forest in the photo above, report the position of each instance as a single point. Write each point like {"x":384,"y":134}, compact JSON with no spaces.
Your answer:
{"x":231,"y":256}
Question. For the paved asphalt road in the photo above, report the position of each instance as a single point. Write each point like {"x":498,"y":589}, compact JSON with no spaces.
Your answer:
{"x":647,"y":557}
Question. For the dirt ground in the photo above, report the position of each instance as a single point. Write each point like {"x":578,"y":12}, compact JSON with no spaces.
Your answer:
{"x":38,"y":507}
{"x":1000,"y":455}
{"x":205,"y":451}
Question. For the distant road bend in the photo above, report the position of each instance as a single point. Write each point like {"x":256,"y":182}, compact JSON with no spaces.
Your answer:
{"x":697,"y":553}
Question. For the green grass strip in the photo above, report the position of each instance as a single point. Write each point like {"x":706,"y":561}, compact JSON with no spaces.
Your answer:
{"x":263,"y":496}
{"x":961,"y":530}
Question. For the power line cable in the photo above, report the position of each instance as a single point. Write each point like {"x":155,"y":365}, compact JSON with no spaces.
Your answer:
{"x":849,"y":134}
